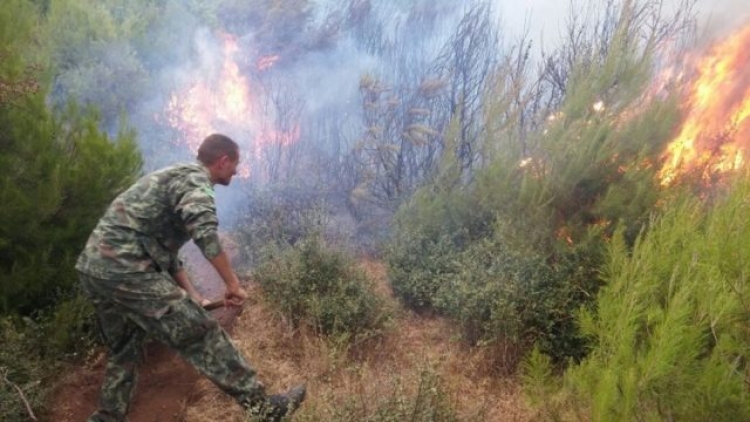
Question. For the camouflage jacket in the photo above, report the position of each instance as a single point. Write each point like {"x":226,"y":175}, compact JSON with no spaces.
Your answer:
{"x":145,"y":226}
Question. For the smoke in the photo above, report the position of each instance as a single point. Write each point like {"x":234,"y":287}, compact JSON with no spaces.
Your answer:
{"x":544,"y":21}
{"x":316,"y":57}
{"x":717,"y":18}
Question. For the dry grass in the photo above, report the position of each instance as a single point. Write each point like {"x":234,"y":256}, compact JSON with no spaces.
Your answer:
{"x":364,"y":373}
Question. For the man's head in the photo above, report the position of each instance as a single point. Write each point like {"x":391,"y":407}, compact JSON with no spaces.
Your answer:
{"x":220,"y":155}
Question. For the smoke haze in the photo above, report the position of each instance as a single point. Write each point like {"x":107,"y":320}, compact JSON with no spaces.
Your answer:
{"x":315,"y":60}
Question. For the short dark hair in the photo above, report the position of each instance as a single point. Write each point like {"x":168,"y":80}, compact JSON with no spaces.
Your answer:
{"x":215,"y":146}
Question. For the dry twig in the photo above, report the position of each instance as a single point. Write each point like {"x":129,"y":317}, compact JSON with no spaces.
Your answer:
{"x":20,"y":394}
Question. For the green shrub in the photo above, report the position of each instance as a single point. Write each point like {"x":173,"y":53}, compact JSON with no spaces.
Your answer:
{"x":418,"y":266}
{"x":57,"y":173}
{"x":314,"y":285}
{"x":669,"y":330}
{"x":499,"y":291}
{"x":34,"y":350}
{"x":69,"y":329}
{"x":514,"y":250}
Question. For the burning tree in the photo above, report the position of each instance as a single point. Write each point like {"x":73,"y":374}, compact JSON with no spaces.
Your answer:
{"x":715,"y":133}
{"x":668,"y":332}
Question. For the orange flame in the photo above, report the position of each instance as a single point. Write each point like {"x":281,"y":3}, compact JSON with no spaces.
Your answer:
{"x":215,"y":104}
{"x":223,"y":103}
{"x":716,"y":131}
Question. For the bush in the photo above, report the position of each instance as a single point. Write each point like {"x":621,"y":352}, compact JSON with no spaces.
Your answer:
{"x":314,"y":285}
{"x":33,"y":351}
{"x":57,"y":174}
{"x":516,"y":248}
{"x":501,"y":293}
{"x":669,"y":330}
{"x":69,"y":329}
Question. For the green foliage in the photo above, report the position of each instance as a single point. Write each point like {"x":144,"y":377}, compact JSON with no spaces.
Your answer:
{"x":669,"y":330}
{"x":58,"y":173}
{"x":33,"y":351}
{"x":538,"y":380}
{"x":314,"y":285}
{"x":499,"y":293}
{"x":19,"y":67}
{"x":429,"y":403}
{"x":91,"y":45}
{"x":429,"y":231}
{"x":69,"y":328}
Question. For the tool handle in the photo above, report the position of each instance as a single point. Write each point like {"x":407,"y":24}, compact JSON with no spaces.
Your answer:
{"x":214,"y":305}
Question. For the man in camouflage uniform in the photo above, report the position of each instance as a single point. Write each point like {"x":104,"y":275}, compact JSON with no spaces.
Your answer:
{"x":130,"y":270}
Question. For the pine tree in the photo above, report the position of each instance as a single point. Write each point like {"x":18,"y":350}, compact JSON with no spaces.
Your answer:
{"x":57,"y":172}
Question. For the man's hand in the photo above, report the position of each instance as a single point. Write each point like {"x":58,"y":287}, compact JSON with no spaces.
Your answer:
{"x":235,"y":295}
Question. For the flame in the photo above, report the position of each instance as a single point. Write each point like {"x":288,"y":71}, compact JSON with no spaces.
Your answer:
{"x":211,"y":104}
{"x":222,"y":102}
{"x":716,"y":131}
{"x":267,"y":61}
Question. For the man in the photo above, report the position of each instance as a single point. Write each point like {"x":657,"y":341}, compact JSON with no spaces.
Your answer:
{"x":131,"y":272}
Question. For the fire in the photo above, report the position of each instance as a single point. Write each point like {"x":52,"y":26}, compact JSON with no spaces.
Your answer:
{"x":214,"y":104}
{"x":716,"y":132}
{"x":267,"y":61}
{"x":221,"y":101}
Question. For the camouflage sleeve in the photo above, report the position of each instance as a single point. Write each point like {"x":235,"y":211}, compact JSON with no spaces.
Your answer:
{"x":195,"y":205}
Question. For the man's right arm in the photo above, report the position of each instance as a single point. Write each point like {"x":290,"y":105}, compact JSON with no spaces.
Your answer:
{"x":235,"y":294}
{"x":196,"y":207}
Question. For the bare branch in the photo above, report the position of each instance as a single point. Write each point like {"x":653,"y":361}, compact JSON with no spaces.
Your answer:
{"x":4,"y":374}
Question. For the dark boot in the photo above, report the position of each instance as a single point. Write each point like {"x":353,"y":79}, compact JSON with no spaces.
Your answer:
{"x":275,"y":408}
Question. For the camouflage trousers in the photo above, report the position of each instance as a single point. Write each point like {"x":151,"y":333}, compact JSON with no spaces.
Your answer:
{"x":152,"y":304}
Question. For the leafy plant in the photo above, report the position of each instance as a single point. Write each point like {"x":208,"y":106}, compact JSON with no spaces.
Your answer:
{"x":668,"y":333}
{"x":314,"y":285}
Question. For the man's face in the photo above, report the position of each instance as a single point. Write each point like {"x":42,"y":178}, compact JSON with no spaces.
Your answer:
{"x":225,"y":169}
